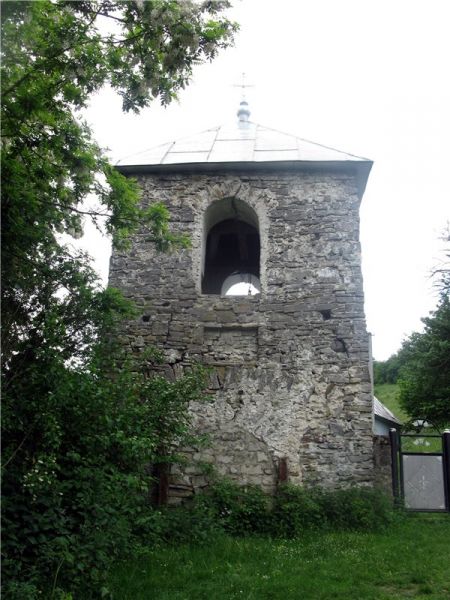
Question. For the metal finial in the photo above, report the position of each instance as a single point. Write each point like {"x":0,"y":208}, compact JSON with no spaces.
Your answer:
{"x":243,"y":112}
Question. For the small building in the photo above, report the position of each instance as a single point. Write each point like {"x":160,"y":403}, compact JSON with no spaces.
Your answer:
{"x":384,"y":419}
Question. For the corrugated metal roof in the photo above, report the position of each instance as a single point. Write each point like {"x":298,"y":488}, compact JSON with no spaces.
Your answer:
{"x":238,"y":142}
{"x":381,"y":411}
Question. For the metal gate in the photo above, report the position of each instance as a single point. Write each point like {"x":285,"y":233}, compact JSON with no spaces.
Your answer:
{"x":421,"y":471}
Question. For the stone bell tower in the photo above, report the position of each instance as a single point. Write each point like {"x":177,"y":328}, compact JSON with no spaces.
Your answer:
{"x":270,"y":296}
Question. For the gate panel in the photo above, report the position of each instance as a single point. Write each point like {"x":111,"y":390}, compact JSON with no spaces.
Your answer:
{"x":421,"y":470}
{"x":423,"y":482}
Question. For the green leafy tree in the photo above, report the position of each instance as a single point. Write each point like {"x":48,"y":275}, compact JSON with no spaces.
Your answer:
{"x":80,"y":420}
{"x":55,"y":54}
{"x":425,"y":376}
{"x":388,"y":371}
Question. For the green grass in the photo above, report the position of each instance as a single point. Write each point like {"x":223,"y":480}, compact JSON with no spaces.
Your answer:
{"x":387,"y":394}
{"x":409,"y":561}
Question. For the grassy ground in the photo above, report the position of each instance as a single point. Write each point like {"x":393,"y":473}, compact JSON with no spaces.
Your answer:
{"x":410,"y":561}
{"x":387,"y":394}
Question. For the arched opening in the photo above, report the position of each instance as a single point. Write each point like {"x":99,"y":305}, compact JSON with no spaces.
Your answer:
{"x":231,"y":249}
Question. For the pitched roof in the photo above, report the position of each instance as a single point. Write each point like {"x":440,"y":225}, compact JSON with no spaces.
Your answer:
{"x":243,"y":145}
{"x":238,"y":142}
{"x":381,"y":411}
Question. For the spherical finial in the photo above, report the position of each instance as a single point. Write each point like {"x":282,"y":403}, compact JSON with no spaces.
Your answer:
{"x":243,"y":112}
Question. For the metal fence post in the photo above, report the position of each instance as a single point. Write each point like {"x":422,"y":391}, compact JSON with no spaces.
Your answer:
{"x":446,"y":461}
{"x":393,"y":437}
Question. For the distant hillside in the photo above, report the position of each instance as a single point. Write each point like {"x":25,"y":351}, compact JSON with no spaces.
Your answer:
{"x":387,"y":394}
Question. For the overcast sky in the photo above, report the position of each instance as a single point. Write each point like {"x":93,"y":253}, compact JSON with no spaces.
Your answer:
{"x":367,"y":77}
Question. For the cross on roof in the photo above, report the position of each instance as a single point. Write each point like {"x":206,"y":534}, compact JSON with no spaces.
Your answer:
{"x":243,"y":85}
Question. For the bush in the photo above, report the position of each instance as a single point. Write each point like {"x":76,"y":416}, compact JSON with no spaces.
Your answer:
{"x":75,"y":486}
{"x":194,"y":523}
{"x":297,"y":509}
{"x":238,"y":510}
{"x":355,"y":508}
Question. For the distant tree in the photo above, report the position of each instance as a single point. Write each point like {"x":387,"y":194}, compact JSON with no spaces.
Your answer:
{"x":441,"y":273}
{"x":387,"y":371}
{"x":422,"y":365}
{"x":425,"y":376}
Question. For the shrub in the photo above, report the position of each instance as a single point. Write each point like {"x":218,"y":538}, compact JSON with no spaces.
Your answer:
{"x":297,"y":509}
{"x":75,"y":485}
{"x":355,"y":508}
{"x":194,"y":523}
{"x":238,"y":510}
{"x":245,"y":510}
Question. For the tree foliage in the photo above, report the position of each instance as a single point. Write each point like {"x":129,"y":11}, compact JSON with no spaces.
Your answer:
{"x":422,"y":365}
{"x":77,"y":447}
{"x":425,"y":376}
{"x":54,"y":56}
{"x":80,"y":420}
{"x":387,"y":371}
{"x":441,"y":273}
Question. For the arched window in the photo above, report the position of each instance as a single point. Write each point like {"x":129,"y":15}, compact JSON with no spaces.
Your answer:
{"x":231,"y":249}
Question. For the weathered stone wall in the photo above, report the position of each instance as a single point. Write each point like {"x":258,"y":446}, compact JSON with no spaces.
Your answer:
{"x":382,"y":463}
{"x":291,"y":376}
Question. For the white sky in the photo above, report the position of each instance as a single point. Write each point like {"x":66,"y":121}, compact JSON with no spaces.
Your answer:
{"x":363,"y":76}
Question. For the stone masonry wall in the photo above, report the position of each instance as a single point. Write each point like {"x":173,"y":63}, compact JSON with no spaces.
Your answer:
{"x":290,"y":376}
{"x":382,"y":463}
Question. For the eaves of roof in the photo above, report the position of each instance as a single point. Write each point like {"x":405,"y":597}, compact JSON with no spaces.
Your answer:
{"x":360,"y":168}
{"x":382,"y":413}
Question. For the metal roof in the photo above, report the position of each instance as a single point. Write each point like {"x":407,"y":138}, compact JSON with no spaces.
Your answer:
{"x":243,"y":145}
{"x":381,"y":411}
{"x":238,"y":142}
